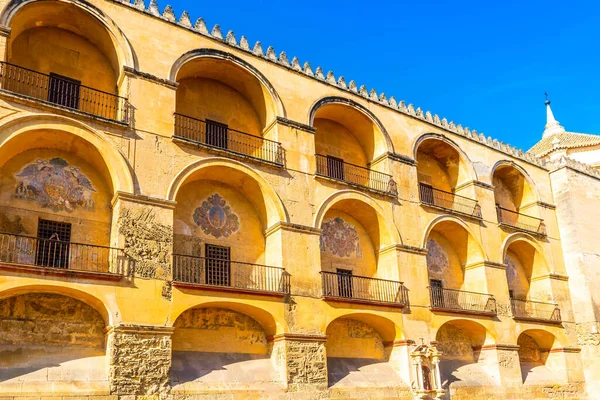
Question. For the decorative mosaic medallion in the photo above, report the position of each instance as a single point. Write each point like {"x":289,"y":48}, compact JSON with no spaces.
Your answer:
{"x":340,"y":237}
{"x":215,"y":217}
{"x":437,"y":259}
{"x":56,"y":185}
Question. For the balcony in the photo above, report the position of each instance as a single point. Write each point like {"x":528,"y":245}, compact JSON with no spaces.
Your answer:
{"x":63,"y":92}
{"x":219,"y":274}
{"x":336,"y":169}
{"x":360,"y":289}
{"x":535,"y":311}
{"x":53,"y":257}
{"x":448,"y":201}
{"x":520,"y":221}
{"x":218,"y":136}
{"x":462,"y":302}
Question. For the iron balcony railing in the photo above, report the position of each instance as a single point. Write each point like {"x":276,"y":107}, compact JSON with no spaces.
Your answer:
{"x":361,"y":288}
{"x":335,"y":168}
{"x":235,"y":275}
{"x":460,"y":301}
{"x":520,"y":221}
{"x":440,"y":198}
{"x":64,"y":92}
{"x":529,"y":310}
{"x":220,"y":136}
{"x":55,"y":254}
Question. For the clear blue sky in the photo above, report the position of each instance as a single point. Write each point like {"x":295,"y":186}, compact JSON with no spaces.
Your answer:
{"x":484,"y":64}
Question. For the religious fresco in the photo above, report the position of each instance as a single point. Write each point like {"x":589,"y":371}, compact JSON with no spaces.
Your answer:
{"x":56,"y":185}
{"x":437,"y":259}
{"x":216,"y":218}
{"x":512,"y":275}
{"x":340,"y":237}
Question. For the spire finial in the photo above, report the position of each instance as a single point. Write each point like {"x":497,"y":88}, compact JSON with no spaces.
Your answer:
{"x":552,"y":125}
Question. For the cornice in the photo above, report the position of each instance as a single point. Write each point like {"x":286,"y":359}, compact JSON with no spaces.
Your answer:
{"x":140,"y":199}
{"x":288,"y":226}
{"x":149,"y":77}
{"x":298,"y":337}
{"x":403,"y":248}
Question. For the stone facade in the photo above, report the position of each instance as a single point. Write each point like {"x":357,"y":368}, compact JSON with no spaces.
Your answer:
{"x":203,"y":229}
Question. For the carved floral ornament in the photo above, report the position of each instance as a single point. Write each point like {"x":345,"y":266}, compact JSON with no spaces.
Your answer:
{"x":215,"y":217}
{"x":340,"y":238}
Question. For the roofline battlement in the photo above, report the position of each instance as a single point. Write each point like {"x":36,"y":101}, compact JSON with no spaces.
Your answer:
{"x":184,"y":21}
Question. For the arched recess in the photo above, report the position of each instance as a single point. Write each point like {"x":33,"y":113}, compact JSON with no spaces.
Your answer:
{"x":221,"y":345}
{"x":218,"y":90}
{"x":354,"y":229}
{"x":46,"y":334}
{"x":93,"y":49}
{"x":359,"y":351}
{"x":443,"y":165}
{"x":348,"y":133}
{"x":223,"y":210}
{"x":452,"y":249}
{"x":516,"y":197}
{"x":60,"y":178}
{"x":461,"y":342}
{"x":527,"y":268}
{"x":539,"y":363}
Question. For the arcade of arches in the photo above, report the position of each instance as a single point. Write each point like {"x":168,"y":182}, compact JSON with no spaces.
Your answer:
{"x":186,"y":219}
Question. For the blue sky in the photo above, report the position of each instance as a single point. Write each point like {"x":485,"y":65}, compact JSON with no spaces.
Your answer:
{"x":483,"y":64}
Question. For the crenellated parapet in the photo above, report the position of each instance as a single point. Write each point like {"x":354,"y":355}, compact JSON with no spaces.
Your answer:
{"x":575,"y":165}
{"x":329,"y":78}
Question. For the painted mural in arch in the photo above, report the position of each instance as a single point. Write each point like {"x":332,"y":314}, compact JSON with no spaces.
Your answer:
{"x":340,"y":238}
{"x":216,"y":217}
{"x":55,"y":184}
{"x":437,"y":259}
{"x":512,"y":274}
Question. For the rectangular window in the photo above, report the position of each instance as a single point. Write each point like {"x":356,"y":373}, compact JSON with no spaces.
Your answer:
{"x":344,"y":282}
{"x":426,"y":193}
{"x":53,"y":244}
{"x":335,"y":168}
{"x":63,"y":91}
{"x":216,"y":134}
{"x":437,"y":293}
{"x":218,"y":265}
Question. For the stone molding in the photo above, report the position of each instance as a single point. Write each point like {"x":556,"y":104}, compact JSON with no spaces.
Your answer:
{"x":289,"y":226}
{"x":477,"y":183}
{"x":498,"y":346}
{"x":352,"y":88}
{"x":489,"y":264}
{"x":5,"y":31}
{"x":152,"y":78}
{"x":403,"y":248}
{"x":141,"y":329}
{"x":141,"y":199}
{"x":399,"y":343}
{"x":558,"y":277}
{"x":297,"y":337}
{"x":566,"y":350}
{"x":293,"y":124}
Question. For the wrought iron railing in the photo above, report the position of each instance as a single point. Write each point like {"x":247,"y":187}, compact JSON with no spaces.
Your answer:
{"x":529,"y":310}
{"x":520,"y":221}
{"x":361,"y":288}
{"x":201,"y":271}
{"x":460,"y":301}
{"x":440,"y":198}
{"x":339,"y":170}
{"x":219,"y":136}
{"x":59,"y":255}
{"x":64,"y":92}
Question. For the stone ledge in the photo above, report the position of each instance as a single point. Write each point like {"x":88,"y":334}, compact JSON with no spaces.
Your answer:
{"x":403,"y":248}
{"x":141,"y":199}
{"x":141,"y":329}
{"x":294,"y":124}
{"x":152,"y":78}
{"x":298,"y":337}
{"x":289,"y":226}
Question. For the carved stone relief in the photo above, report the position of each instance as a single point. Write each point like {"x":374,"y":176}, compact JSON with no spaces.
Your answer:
{"x":340,"y":238}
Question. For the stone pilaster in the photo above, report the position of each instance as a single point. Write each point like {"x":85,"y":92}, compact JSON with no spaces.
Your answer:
{"x":501,"y":361}
{"x":304,"y":360}
{"x":139,"y":360}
